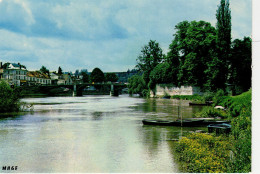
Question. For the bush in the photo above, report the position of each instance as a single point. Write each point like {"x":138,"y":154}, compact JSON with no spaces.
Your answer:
{"x":204,"y":153}
{"x":9,"y":98}
{"x":208,"y":112}
{"x":192,"y":149}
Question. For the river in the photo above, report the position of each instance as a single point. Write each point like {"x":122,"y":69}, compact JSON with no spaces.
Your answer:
{"x":93,"y":134}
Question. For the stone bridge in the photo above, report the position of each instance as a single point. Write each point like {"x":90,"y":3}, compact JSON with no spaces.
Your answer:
{"x":114,"y":88}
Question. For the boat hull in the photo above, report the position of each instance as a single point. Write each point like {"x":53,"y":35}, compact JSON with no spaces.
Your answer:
{"x":183,"y":123}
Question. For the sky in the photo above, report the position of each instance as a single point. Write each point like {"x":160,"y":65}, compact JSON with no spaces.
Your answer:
{"x":108,"y":34}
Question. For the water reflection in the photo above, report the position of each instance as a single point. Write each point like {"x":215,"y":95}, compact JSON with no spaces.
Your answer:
{"x":93,"y":134}
{"x":167,"y":109}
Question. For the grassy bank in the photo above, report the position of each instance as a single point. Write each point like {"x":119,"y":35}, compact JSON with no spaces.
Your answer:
{"x":210,"y":153}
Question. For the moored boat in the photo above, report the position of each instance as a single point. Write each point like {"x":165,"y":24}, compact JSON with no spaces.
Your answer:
{"x":184,"y":123}
{"x":219,"y":128}
{"x":157,"y":122}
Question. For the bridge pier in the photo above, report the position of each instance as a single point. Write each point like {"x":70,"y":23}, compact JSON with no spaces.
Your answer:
{"x":76,"y":91}
{"x":113,"y":92}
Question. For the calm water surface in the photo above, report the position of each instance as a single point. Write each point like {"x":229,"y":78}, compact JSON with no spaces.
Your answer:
{"x":93,"y":134}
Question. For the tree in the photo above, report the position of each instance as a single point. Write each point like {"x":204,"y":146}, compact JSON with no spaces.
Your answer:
{"x":240,"y":65}
{"x":151,"y":55}
{"x":76,"y":72}
{"x":59,"y":71}
{"x":160,"y":74}
{"x":190,"y":52}
{"x":112,"y":77}
{"x":137,"y":85}
{"x":97,"y":76}
{"x":9,"y":98}
{"x":223,"y":40}
{"x":44,"y":70}
{"x":85,"y":76}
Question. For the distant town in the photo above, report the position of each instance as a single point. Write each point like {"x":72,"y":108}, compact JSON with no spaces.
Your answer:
{"x":18,"y":75}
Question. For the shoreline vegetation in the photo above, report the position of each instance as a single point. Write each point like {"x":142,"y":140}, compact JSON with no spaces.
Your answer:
{"x":9,"y":98}
{"x":10,"y":103}
{"x":211,"y":153}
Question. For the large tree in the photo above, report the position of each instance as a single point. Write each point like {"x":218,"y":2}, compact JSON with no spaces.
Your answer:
{"x":191,"y":50}
{"x":137,"y":85}
{"x":97,"y":76}
{"x":151,"y":55}
{"x":240,"y":65}
{"x":111,"y":77}
{"x":223,"y":27}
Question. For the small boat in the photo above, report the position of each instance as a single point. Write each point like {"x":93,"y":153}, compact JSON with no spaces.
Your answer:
{"x":157,"y":122}
{"x":209,"y":122}
{"x":184,"y":123}
{"x":219,"y":128}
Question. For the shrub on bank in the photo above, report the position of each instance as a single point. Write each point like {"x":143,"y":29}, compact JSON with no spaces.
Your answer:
{"x":203,"y":153}
{"x":9,"y":98}
{"x":208,"y":153}
{"x":208,"y":112}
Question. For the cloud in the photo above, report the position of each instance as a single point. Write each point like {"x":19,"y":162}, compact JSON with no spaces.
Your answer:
{"x":100,"y":33}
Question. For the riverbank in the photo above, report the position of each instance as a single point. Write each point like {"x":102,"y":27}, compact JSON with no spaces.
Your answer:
{"x":209,"y":153}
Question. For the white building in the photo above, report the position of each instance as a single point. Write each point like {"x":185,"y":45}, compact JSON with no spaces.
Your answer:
{"x":15,"y":74}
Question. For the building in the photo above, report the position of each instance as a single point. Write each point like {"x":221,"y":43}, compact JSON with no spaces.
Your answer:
{"x":67,"y":78}
{"x":63,"y":79}
{"x":38,"y":78}
{"x":14,"y":74}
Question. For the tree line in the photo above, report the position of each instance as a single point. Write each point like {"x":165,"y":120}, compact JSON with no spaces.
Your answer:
{"x":96,"y":76}
{"x":199,"y":55}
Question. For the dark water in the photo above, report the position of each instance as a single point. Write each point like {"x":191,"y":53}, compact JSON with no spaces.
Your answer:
{"x":93,"y":134}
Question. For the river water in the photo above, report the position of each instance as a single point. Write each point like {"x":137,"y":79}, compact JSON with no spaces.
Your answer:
{"x":93,"y":134}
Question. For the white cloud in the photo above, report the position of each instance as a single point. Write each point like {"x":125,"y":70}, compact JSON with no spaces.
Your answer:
{"x":102,"y":33}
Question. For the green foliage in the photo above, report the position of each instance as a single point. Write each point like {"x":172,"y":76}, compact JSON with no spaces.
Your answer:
{"x":44,"y":70}
{"x":223,"y":41}
{"x":208,"y":112}
{"x":85,"y":77}
{"x":136,"y":85}
{"x":160,"y":74}
{"x":204,"y":153}
{"x":194,"y":97}
{"x":190,"y":52}
{"x":208,"y":96}
{"x":112,"y":77}
{"x":97,"y":76}
{"x":239,"y":112}
{"x":9,"y":98}
{"x":151,"y":55}
{"x":241,"y":73}
{"x":218,"y":97}
{"x":59,"y":70}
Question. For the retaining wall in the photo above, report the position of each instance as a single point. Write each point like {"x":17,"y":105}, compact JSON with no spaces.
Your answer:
{"x":168,"y":89}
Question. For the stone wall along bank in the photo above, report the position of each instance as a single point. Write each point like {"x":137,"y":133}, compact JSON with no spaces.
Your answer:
{"x":170,"y":90}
